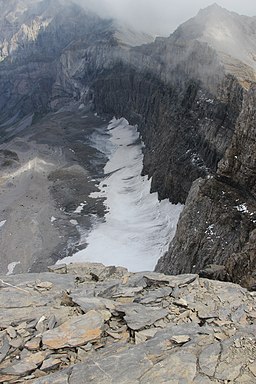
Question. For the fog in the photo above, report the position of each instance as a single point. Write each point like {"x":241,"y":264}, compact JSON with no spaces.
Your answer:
{"x":161,"y":17}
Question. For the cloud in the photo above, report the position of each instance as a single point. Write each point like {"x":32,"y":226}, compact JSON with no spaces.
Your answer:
{"x":161,"y":17}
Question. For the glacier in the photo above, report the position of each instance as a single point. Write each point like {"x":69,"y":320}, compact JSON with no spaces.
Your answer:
{"x":137,"y":227}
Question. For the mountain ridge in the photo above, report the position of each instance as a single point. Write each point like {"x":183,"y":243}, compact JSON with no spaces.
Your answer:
{"x":231,"y":35}
{"x":184,"y":97}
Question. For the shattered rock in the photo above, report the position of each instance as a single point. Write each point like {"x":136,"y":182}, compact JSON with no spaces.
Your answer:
{"x":33,"y":344}
{"x":26,"y":365}
{"x":58,"y":268}
{"x":138,"y":317}
{"x":50,"y":364}
{"x":4,"y":348}
{"x":178,"y":329}
{"x":11,"y":332}
{"x":44,"y":285}
{"x":180,"y":339}
{"x":75,"y":332}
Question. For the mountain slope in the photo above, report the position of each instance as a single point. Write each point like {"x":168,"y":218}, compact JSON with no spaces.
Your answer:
{"x":192,"y":104}
{"x":188,"y":93}
{"x":231,"y":35}
{"x":217,"y":225}
{"x":48,"y":163}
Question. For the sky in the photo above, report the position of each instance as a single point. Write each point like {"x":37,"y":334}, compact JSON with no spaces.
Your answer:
{"x":161,"y":17}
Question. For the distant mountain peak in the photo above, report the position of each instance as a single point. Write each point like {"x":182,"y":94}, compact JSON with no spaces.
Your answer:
{"x":213,"y":11}
{"x":213,"y":6}
{"x":231,"y":35}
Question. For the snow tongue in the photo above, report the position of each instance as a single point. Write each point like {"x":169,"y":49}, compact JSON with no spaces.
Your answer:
{"x":137,"y":227}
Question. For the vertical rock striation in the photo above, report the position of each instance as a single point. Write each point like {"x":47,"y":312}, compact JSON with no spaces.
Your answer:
{"x":218,"y":224}
{"x":191,"y":95}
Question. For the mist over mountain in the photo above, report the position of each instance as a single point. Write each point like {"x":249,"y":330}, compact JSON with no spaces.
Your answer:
{"x":122,"y":152}
{"x":162,"y":17}
{"x":188,"y":93}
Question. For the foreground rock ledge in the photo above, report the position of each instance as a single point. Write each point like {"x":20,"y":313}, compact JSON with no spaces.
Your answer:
{"x":87,"y":323}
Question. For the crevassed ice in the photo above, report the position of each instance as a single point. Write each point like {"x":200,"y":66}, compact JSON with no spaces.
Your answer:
{"x":137,"y":227}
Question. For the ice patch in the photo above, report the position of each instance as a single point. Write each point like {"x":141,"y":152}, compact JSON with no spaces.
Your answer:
{"x":242,"y":208}
{"x":209,"y":230}
{"x":11,"y":267}
{"x":80,"y":207}
{"x":2,"y":223}
{"x":138,"y":228}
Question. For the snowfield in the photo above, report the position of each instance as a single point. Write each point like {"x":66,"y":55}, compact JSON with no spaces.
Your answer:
{"x":137,"y":227}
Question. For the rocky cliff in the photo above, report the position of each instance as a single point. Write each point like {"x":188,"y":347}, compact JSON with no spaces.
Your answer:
{"x":191,"y":108}
{"x":34,"y":34}
{"x":191,"y":95}
{"x":225,"y":203}
{"x":86,"y":323}
{"x":176,"y":89}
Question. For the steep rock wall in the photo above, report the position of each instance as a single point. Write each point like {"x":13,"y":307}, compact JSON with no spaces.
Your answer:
{"x":175,"y":90}
{"x":218,"y":223}
{"x":33,"y":37}
{"x":186,"y":108}
{"x":185,"y":128}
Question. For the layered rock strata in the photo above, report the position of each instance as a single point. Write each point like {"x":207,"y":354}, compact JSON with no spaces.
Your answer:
{"x":185,"y":92}
{"x":87,"y":323}
{"x":218,"y":223}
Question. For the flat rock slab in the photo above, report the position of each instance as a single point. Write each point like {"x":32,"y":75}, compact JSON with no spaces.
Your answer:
{"x":12,"y":298}
{"x":29,"y":279}
{"x":18,"y":315}
{"x":26,"y":365}
{"x":179,"y":367}
{"x":152,"y":296}
{"x":75,"y":332}
{"x":56,"y":378}
{"x":91,"y":303}
{"x":124,"y":368}
{"x":154,"y":278}
{"x":128,"y":366}
{"x":138,"y":316}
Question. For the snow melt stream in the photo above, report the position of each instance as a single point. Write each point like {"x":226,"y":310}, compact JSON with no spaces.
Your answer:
{"x":137,"y":227}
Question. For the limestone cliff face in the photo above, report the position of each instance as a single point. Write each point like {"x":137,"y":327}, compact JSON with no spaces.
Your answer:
{"x":186,"y":129}
{"x":189,"y":95}
{"x":218,"y":224}
{"x":33,"y":36}
{"x":175,"y":89}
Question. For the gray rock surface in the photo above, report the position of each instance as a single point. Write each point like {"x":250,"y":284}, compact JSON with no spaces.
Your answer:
{"x":218,"y":224}
{"x":191,"y":97}
{"x":202,"y":332}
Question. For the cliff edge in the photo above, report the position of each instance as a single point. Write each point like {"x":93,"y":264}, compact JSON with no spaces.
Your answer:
{"x":225,"y":233}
